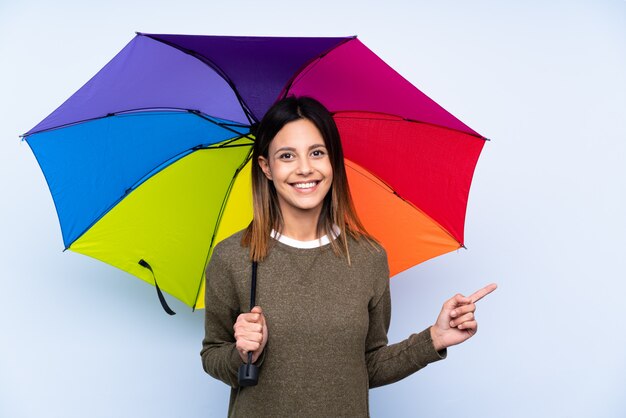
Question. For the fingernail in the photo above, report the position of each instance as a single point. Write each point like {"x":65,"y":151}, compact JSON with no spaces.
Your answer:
{"x":452,"y":324}
{"x":453,"y":314}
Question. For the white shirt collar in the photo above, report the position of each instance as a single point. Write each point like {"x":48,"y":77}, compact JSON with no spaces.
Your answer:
{"x":305,"y":244}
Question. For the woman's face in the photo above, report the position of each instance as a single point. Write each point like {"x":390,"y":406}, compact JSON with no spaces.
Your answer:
{"x":299,"y":166}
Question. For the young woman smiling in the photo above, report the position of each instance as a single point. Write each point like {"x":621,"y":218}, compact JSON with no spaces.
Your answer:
{"x":319,"y":331}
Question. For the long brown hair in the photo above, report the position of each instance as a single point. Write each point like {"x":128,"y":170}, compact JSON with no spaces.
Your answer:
{"x":337,"y":208}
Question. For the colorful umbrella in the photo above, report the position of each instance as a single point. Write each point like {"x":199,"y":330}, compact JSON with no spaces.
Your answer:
{"x":149,"y":162}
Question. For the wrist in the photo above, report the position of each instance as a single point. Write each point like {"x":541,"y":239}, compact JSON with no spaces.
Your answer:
{"x":435,"y":336}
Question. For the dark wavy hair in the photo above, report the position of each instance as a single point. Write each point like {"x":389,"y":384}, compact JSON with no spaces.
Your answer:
{"x":337,"y":208}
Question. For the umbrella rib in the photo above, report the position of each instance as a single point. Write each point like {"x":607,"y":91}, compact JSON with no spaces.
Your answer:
{"x":142,"y":179}
{"x":382,"y":184}
{"x":215,"y":67}
{"x":397,"y":118}
{"x":65,"y":125}
{"x":141,"y":110}
{"x":149,"y":174}
{"x":219,"y":220}
{"x":224,"y":145}
{"x":225,"y":126}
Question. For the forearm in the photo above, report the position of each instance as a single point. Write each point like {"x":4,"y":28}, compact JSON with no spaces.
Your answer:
{"x":222,"y":361}
{"x":390,"y":363}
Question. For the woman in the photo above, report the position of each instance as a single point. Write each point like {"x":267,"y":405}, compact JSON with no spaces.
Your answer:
{"x":319,"y":332}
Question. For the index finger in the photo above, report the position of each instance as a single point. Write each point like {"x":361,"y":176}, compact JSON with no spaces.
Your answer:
{"x":479,"y":294}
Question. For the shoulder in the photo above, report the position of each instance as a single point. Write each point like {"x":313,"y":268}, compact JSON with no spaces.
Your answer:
{"x":229,"y":252}
{"x":227,"y":268}
{"x":370,"y":259}
{"x":230,"y":244}
{"x":366,"y":252}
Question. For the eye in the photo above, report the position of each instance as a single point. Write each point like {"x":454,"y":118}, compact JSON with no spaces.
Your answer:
{"x":318,"y":152}
{"x":286,"y":156}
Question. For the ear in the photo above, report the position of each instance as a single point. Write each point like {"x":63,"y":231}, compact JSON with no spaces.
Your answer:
{"x":265,"y":166}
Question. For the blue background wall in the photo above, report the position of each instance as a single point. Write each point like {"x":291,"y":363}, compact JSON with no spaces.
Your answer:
{"x":544,"y":80}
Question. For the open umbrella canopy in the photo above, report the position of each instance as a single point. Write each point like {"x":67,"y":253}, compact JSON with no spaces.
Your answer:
{"x":149,"y":162}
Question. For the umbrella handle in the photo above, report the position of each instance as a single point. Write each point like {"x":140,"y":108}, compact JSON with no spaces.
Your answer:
{"x":248,"y":372}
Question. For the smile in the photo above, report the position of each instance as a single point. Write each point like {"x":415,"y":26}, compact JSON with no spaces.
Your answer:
{"x":307,"y":185}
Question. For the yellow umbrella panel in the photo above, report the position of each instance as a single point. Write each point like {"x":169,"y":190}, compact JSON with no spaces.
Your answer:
{"x":173,"y":219}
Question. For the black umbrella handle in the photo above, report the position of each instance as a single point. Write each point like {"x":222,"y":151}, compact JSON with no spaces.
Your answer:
{"x":253,"y":286}
{"x":249,"y":373}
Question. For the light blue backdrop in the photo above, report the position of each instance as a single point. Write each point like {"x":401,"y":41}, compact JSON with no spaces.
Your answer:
{"x":544,"y":80}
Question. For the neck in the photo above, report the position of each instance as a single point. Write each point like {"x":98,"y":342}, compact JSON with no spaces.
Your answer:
{"x":300,"y":225}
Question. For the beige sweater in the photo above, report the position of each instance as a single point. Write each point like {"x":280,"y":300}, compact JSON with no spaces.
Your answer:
{"x":327,"y":325}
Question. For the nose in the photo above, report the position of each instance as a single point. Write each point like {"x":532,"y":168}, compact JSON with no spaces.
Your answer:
{"x":304,"y":167}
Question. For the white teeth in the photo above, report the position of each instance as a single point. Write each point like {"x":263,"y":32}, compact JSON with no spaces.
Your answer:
{"x":305,"y":185}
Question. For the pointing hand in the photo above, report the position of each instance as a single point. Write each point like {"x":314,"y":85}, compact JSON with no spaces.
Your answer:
{"x":457,"y":322}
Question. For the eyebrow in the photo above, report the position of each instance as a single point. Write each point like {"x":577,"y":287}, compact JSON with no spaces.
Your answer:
{"x":312,"y":147}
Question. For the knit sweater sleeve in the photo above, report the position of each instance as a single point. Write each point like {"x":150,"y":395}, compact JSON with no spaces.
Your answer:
{"x":388,"y":363}
{"x":220,"y":358}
